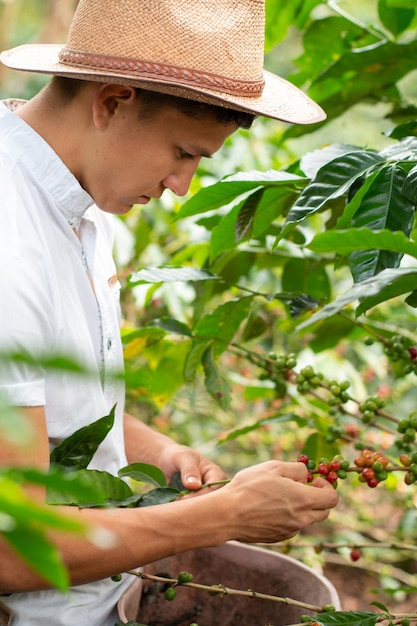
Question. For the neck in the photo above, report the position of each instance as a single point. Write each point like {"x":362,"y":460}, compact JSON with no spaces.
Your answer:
{"x":57,"y":123}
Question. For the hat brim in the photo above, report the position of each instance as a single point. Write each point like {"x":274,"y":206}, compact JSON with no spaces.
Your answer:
{"x":280,"y":99}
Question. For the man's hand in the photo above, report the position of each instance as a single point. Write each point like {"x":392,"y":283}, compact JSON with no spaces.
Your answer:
{"x":195,"y":469}
{"x":273,"y":502}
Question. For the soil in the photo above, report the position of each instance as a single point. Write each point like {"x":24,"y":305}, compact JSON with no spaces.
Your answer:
{"x":358,"y":588}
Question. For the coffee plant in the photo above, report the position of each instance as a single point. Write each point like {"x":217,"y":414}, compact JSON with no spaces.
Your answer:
{"x":273,"y":313}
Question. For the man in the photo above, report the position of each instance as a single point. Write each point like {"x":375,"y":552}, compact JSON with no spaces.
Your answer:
{"x":141,"y":92}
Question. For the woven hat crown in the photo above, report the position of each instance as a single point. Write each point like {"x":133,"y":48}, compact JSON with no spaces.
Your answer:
{"x":219,"y":37}
{"x":206,"y":50}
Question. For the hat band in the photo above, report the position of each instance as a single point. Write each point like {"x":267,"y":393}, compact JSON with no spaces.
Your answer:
{"x":138,"y":69}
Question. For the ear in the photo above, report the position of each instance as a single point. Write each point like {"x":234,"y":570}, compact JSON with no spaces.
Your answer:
{"x":107,"y":101}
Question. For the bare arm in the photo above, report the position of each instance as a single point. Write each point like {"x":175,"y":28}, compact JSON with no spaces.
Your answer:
{"x":267,"y":503}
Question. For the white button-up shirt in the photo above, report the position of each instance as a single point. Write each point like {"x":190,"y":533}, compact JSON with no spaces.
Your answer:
{"x":48,"y":307}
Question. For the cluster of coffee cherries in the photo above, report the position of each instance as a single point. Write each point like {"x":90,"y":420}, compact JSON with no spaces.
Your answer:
{"x":407,"y":428}
{"x":409,"y":462}
{"x":401,"y":351}
{"x":171,"y":592}
{"x":370,"y":465}
{"x":370,"y":407}
{"x":330,"y":470}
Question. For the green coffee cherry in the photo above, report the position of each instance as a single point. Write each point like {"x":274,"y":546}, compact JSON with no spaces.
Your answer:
{"x":184,"y":577}
{"x":116,"y":578}
{"x":170,"y":593}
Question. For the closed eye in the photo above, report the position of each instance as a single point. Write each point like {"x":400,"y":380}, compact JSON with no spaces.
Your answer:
{"x":183,"y":154}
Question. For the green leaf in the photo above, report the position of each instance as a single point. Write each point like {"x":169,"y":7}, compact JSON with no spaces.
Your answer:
{"x":110,"y":491}
{"x":403,"y":284}
{"x":347,"y":618}
{"x":194,"y":358}
{"x":216,"y":384}
{"x":161,"y":495}
{"x":15,"y":503}
{"x":332,"y":181}
{"x":406,"y":129}
{"x":346,"y":241}
{"x":169,"y":275}
{"x":363,"y":74}
{"x":55,"y":480}
{"x":382,"y":207}
{"x":244,"y":222}
{"x":279,"y":17}
{"x":317,"y":447}
{"x":232,"y":187}
{"x":41,"y":555}
{"x":311,"y":280}
{"x":329,"y":334}
{"x":404,"y":280}
{"x":172,"y":326}
{"x":223,"y":323}
{"x":145,"y":473}
{"x":75,"y":452}
{"x":409,"y":189}
{"x":239,"y":432}
{"x":395,"y":19}
{"x":223,"y":236}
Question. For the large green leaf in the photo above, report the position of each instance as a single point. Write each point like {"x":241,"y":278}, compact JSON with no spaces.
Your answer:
{"x":279,"y":18}
{"x":346,"y":241}
{"x":403,"y":284}
{"x":145,"y":473}
{"x":259,"y":209}
{"x":396,"y":19}
{"x":172,"y":325}
{"x":382,"y":207}
{"x":161,"y":495}
{"x":194,"y":357}
{"x":332,"y":181}
{"x":223,"y":323}
{"x":169,"y":275}
{"x":216,"y":384}
{"x":347,"y":618}
{"x":18,"y":506}
{"x":110,"y":491}
{"x":365,"y":72}
{"x":401,"y":280}
{"x":26,"y":527}
{"x":75,"y":452}
{"x":306,"y":276}
{"x":318,"y":54}
{"x":40,"y":554}
{"x":244,"y":222}
{"x":409,"y":189}
{"x":231,"y":188}
{"x":55,"y":480}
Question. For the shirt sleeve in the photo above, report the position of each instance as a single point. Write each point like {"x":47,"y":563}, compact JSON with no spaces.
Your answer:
{"x":25,"y":308}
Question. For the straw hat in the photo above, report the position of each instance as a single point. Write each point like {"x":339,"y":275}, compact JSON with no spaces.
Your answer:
{"x":205,"y":50}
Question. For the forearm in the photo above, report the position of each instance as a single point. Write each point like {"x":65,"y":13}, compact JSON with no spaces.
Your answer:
{"x":138,"y":536}
{"x":142,"y":444}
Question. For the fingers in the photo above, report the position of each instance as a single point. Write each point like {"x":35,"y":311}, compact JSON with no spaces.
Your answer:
{"x":327,"y":497}
{"x":273,"y":501}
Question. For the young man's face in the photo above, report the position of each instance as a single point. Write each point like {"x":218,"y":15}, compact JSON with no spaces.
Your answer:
{"x":135,"y":160}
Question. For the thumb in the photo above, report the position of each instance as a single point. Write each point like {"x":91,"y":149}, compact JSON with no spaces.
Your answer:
{"x":190,"y":477}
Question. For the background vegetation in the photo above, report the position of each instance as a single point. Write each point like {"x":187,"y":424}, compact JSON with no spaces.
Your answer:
{"x":273,"y":312}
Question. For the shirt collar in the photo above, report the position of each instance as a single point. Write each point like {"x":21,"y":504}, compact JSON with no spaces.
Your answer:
{"x":25,"y":145}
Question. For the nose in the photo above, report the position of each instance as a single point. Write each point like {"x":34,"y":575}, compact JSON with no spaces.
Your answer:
{"x":180,"y":179}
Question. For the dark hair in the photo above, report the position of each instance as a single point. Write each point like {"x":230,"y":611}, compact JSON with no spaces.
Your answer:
{"x":152,"y":102}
